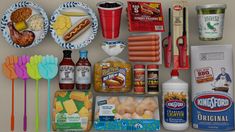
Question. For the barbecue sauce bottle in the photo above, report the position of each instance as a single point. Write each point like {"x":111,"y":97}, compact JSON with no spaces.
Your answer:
{"x":66,"y":71}
{"x":83,"y":72}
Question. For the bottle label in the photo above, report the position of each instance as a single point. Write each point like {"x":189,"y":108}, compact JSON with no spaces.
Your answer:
{"x":211,"y":26}
{"x":83,"y":74}
{"x":139,"y":81}
{"x":152,"y":81}
{"x":66,"y":74}
{"x":175,"y":107}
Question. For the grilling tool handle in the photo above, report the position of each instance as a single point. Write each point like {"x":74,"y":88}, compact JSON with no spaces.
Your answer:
{"x":167,"y":51}
{"x":182,"y":50}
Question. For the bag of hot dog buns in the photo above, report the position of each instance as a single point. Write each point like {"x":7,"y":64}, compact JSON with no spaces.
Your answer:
{"x":112,"y":74}
{"x":72,"y":111}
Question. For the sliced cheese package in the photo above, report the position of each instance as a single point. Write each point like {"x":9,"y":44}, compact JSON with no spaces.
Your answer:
{"x":72,"y":111}
{"x":125,"y":113}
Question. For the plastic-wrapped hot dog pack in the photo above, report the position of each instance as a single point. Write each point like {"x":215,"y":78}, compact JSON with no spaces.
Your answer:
{"x":145,"y":48}
{"x":72,"y":111}
{"x":127,"y":113}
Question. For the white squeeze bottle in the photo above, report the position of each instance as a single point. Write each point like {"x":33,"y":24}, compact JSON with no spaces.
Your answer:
{"x":175,"y":103}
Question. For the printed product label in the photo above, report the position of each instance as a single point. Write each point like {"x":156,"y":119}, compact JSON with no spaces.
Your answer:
{"x":203,"y":75}
{"x":128,"y":125}
{"x":139,"y":79}
{"x":65,"y":121}
{"x":145,"y":16}
{"x":66,"y":74}
{"x":113,"y":77}
{"x":211,"y":26}
{"x":214,"y":111}
{"x":153,"y":81}
{"x":83,"y":74}
{"x":175,"y":107}
{"x":107,"y":112}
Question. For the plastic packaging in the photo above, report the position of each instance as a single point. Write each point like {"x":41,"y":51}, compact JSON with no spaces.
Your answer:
{"x":139,"y":79}
{"x":126,"y":113}
{"x":72,"y":111}
{"x":152,"y":79}
{"x":83,"y":71}
{"x":112,"y":74}
{"x":175,"y":103}
{"x":211,"y":21}
{"x":66,"y":71}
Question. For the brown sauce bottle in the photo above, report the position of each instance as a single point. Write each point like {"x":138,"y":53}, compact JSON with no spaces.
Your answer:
{"x":66,"y":71}
{"x":83,"y":72}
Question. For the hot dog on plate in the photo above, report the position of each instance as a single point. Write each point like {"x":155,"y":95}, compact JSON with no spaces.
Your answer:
{"x":77,"y":29}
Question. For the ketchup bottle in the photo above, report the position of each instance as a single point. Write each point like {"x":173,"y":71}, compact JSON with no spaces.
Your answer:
{"x":83,"y":71}
{"x":66,"y":71}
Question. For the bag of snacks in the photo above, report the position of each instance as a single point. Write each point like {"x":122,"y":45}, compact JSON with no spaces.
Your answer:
{"x":126,"y":113}
{"x":112,"y":74}
{"x":72,"y":111}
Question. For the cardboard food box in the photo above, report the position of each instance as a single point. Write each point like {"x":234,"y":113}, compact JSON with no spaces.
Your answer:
{"x":145,"y":16}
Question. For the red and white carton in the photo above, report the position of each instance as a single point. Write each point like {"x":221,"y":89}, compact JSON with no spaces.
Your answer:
{"x":145,"y":16}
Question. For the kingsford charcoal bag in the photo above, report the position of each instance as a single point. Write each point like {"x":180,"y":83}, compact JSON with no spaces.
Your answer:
{"x":212,"y":87}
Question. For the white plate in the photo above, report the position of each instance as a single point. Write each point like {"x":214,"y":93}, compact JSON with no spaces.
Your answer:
{"x":85,"y":38}
{"x":36,"y":9}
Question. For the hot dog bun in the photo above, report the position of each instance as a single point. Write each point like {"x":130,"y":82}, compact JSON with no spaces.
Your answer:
{"x":77,"y":29}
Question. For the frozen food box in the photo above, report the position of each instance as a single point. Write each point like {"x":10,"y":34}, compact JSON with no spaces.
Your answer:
{"x":72,"y":111}
{"x":126,"y":113}
{"x":212,"y":87}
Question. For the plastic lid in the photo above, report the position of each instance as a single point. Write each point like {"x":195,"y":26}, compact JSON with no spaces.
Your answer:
{"x":83,"y":53}
{"x":174,"y":73}
{"x":139,"y":66}
{"x":211,"y":6}
{"x":152,"y":66}
{"x":67,"y":53}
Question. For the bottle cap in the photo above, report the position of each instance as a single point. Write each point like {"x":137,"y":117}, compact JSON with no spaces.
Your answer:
{"x":67,"y":53}
{"x":83,"y":53}
{"x":153,"y":66}
{"x":139,"y":66}
{"x":174,"y":73}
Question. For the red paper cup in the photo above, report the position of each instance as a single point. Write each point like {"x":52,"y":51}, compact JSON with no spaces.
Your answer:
{"x":110,"y":18}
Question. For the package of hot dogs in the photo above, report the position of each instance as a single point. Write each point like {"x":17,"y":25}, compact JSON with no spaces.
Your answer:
{"x":145,"y":47}
{"x":145,"y":17}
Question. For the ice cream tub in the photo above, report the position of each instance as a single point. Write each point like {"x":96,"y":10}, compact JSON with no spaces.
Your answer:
{"x":211,"y":21}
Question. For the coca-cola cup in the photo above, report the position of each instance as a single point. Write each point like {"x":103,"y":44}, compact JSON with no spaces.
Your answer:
{"x":110,"y":17}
